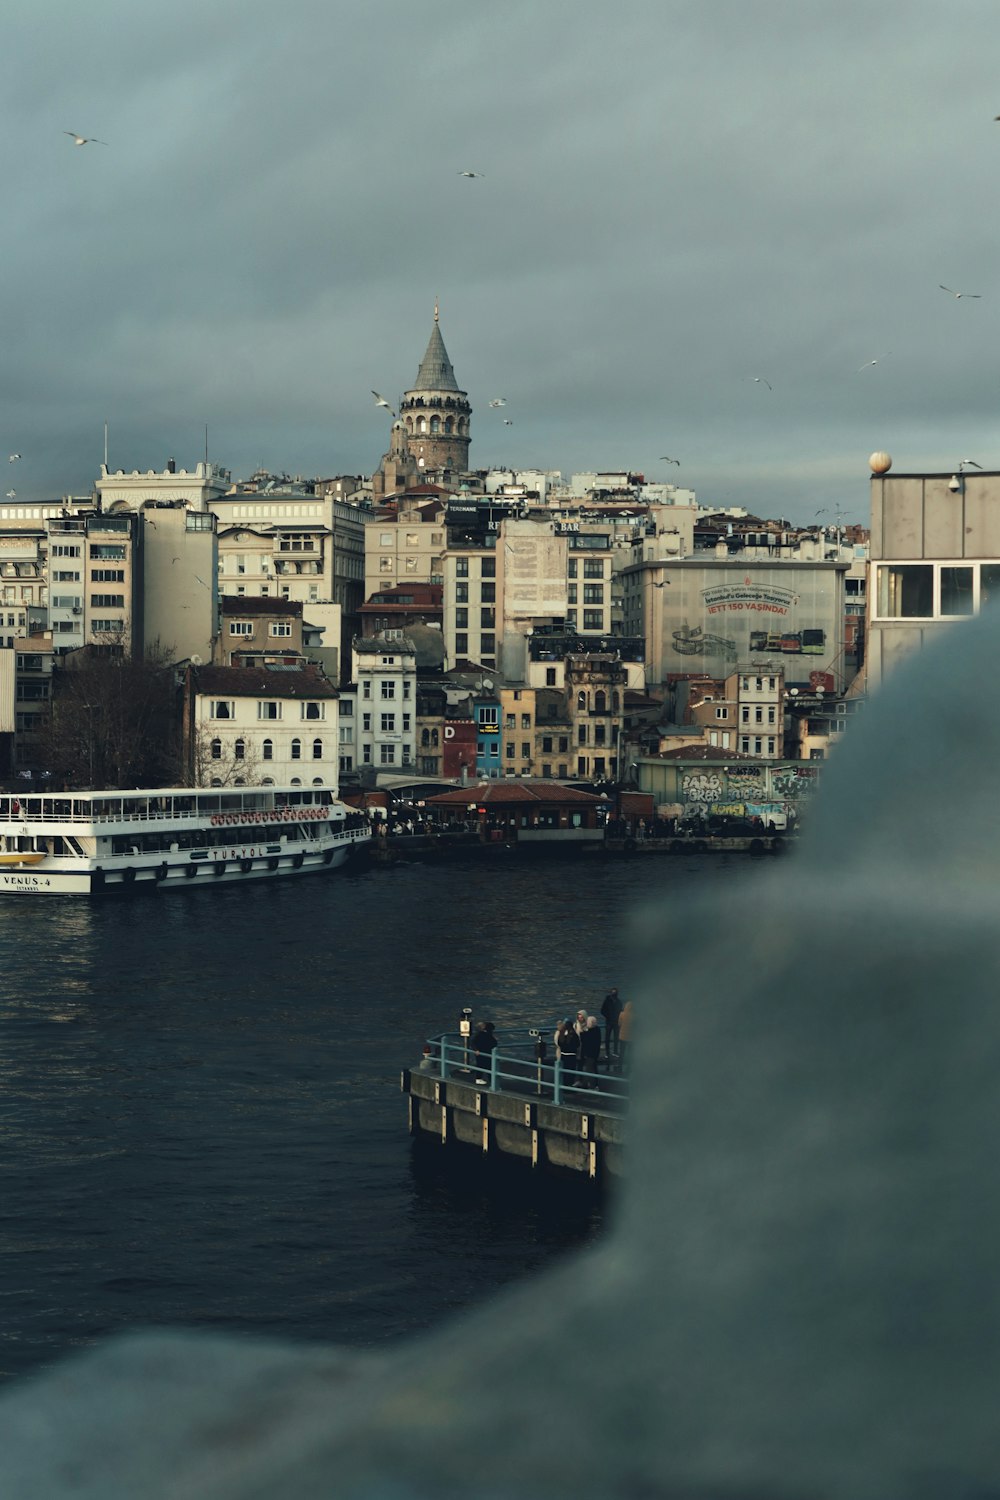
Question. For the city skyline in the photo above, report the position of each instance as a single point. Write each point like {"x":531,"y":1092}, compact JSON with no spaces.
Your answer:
{"x":735,"y":235}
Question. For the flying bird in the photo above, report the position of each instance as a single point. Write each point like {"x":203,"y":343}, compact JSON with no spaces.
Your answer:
{"x":665,"y":460}
{"x":948,"y":289}
{"x":84,"y":140}
{"x":11,"y":494}
{"x":499,"y":401}
{"x":472,"y":174}
{"x":869,"y":362}
{"x":759,"y":380}
{"x":12,"y":458}
{"x":508,"y":422}
{"x":971,"y":461}
{"x":381,"y":401}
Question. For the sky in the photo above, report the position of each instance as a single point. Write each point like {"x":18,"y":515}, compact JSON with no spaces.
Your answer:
{"x":677,"y":196}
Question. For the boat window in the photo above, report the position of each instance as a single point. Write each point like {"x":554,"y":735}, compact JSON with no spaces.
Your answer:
{"x":33,"y":807}
{"x":232,"y":801}
{"x":81,"y":809}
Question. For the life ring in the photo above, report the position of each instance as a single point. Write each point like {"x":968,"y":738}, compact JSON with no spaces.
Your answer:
{"x":128,"y":877}
{"x":328,"y":856}
{"x":297,"y":861}
{"x":246,"y":865}
{"x":272,"y":863}
{"x":191,"y":872}
{"x":219,"y":868}
{"x":161,"y":871}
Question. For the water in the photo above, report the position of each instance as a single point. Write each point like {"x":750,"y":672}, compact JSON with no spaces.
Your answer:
{"x":199,"y":1093}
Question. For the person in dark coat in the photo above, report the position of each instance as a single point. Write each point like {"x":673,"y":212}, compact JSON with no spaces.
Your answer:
{"x":590,"y":1052}
{"x":611,"y":1010}
{"x":484,"y":1044}
{"x":567,"y":1052}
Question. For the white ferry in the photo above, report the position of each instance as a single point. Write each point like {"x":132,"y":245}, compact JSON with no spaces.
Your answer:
{"x":175,"y":838}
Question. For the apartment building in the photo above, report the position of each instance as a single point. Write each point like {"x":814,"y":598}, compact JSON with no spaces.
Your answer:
{"x":385,"y":679}
{"x":261,"y":726}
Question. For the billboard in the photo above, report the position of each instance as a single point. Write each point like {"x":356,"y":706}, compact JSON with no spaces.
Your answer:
{"x":534,"y":572}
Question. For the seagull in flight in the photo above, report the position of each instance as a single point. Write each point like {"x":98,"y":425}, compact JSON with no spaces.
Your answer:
{"x":381,"y":401}
{"x":665,"y":460}
{"x":11,"y":494}
{"x":948,"y":289}
{"x":84,"y":140}
{"x":759,"y":380}
{"x":971,"y":461}
{"x":508,"y":422}
{"x":499,"y":401}
{"x":869,"y":362}
{"x":12,"y":458}
{"x":472,"y":174}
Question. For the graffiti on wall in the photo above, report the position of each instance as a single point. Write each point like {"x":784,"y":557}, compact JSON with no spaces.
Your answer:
{"x":702,"y":786}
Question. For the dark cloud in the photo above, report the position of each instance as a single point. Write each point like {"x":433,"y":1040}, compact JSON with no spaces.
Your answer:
{"x":677,"y":197}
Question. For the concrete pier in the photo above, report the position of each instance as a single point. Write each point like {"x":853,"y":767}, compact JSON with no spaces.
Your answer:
{"x":587,"y":1137}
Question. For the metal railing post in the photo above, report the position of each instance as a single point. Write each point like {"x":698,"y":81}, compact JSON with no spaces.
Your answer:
{"x":444,"y":1057}
{"x":494,"y":1060}
{"x":557,"y":1082}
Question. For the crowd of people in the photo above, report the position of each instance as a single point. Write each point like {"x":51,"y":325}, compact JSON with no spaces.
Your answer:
{"x":580,"y":1049}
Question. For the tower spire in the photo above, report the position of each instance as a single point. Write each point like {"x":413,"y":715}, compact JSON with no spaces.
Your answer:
{"x":436,"y":314}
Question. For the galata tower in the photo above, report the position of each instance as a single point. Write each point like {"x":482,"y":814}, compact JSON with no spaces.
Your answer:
{"x":436,"y":413}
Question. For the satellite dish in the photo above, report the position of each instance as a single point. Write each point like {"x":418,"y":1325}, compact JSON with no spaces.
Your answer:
{"x":488,"y":682}
{"x":197,"y":661}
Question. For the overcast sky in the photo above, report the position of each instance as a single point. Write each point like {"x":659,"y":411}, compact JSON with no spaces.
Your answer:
{"x":676,"y":197}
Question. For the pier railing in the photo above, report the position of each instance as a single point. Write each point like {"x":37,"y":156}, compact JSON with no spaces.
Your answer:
{"x":526,"y":1069}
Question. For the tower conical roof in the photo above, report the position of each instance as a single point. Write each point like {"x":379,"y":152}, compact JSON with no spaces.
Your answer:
{"x":435,"y":373}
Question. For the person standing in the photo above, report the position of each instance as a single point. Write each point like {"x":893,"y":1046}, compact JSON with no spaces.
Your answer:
{"x":484,"y":1044}
{"x":567,"y":1052}
{"x":590,"y":1052}
{"x":624,"y":1035}
{"x":611,"y":1010}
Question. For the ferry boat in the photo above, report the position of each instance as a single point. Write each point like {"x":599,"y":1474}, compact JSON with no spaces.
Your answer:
{"x":175,"y":838}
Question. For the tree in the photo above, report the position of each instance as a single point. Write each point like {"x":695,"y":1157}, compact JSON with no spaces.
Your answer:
{"x":114,"y":721}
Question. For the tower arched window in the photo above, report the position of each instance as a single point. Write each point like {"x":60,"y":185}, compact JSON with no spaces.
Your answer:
{"x":435,"y":425}
{"x":600,"y":702}
{"x":449,"y":424}
{"x":581,"y":700}
{"x":421,"y":424}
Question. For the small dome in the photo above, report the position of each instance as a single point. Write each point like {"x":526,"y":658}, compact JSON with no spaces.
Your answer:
{"x":880,"y":463}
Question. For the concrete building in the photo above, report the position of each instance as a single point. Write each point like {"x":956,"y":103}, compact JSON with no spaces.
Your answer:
{"x":255,"y":726}
{"x":180,"y":600}
{"x":385,"y":676}
{"x":196,"y":488}
{"x":258,"y":627}
{"x":935,"y":559}
{"x":405,"y":543}
{"x":292,"y":544}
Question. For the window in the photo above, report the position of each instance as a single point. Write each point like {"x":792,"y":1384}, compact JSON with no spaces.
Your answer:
{"x":366,"y":721}
{"x":100,"y":575}
{"x":956,"y":591}
{"x":525,"y":721}
{"x":581,"y":735}
{"x":461,"y":567}
{"x":571,"y":568}
{"x":240,"y":749}
{"x":593,"y":567}
{"x":509,"y":721}
{"x":757,"y":745}
{"x":525,"y":750}
{"x":223,"y":708}
{"x":489,"y":567}
{"x":744,"y":715}
{"x":366,"y":688}
{"x":489,"y":593}
{"x":269,"y":710}
{"x":366,"y":754}
{"x":296,"y":749}
{"x":388,"y":688}
{"x":107,"y":601}
{"x":267,"y":749}
{"x":745,"y":744}
{"x":906,"y":591}
{"x":388,"y":661}
{"x":216,"y":749}
{"x":280,"y":627}
{"x":461,"y":593}
{"x":461,"y":644}
{"x":771,"y":716}
{"x":412,"y":539}
{"x":387,"y":755}
{"x":240,"y":627}
{"x":488,"y":644}
{"x":385,"y":538}
{"x":593,"y":593}
{"x":317,"y":749}
{"x":385,"y":564}
{"x":407,"y":722}
{"x":489,"y":717}
{"x":550,"y":676}
{"x":722,"y":713}
{"x":509,"y":751}
{"x":487,"y":619}
{"x":462,"y":619}
{"x":346,"y":734}
{"x":571,"y":596}
{"x":758,"y":715}
{"x":388,"y":724}
{"x":311,"y":710}
{"x":593,"y":619}
{"x":61,"y":550}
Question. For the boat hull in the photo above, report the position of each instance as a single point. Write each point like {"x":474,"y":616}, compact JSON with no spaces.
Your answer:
{"x":82,"y":879}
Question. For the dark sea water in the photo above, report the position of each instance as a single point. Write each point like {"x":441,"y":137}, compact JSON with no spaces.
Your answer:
{"x":200,"y":1106}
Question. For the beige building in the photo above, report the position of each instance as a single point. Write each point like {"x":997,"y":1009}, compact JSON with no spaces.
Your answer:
{"x":195,"y":488}
{"x":292,"y":545}
{"x":250,"y":726}
{"x":180,"y":602}
{"x":258,"y":627}
{"x":405,"y":544}
{"x":935,"y":559}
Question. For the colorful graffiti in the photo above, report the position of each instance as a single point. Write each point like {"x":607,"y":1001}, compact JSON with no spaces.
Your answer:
{"x":702,"y":786}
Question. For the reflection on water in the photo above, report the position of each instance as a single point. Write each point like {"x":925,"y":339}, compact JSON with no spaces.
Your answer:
{"x":202,"y":1117}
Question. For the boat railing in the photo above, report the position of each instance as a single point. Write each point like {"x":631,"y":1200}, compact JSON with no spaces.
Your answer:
{"x":18,"y":812}
{"x":529,"y":1070}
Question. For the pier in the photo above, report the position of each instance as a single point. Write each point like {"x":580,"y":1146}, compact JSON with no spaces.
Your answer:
{"x":519,"y":1104}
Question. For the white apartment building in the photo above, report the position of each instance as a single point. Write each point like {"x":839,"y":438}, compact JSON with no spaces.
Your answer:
{"x":255,"y":726}
{"x":291,"y":546}
{"x":385,"y":678}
